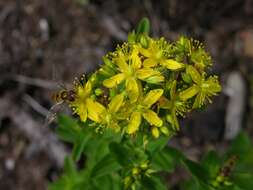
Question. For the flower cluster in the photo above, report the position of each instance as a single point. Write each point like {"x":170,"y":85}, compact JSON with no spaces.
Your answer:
{"x":145,"y":85}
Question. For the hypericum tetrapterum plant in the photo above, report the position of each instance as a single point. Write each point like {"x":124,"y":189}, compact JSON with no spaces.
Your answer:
{"x":127,"y":110}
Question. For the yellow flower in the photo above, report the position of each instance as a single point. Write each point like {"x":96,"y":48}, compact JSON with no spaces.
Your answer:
{"x":129,"y":66}
{"x":202,"y":88}
{"x":175,"y":105}
{"x":142,"y":109}
{"x":95,"y":111}
{"x":82,"y":95}
{"x":106,"y":117}
{"x":155,"y":56}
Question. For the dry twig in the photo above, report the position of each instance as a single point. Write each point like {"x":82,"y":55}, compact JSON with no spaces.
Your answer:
{"x":37,"y":134}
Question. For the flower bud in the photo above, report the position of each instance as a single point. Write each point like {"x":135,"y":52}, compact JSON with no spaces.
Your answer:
{"x":144,"y":41}
{"x":144,"y":165}
{"x":155,"y":79}
{"x":128,"y":181}
{"x":135,"y":171}
{"x":165,"y":130}
{"x":108,"y":62}
{"x":98,"y":91}
{"x":132,"y":37}
{"x":112,"y":92}
{"x":220,"y":178}
{"x":228,"y":183}
{"x":155,"y":132}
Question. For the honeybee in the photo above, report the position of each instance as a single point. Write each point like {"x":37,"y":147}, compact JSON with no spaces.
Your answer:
{"x":64,"y":96}
{"x":60,"y":98}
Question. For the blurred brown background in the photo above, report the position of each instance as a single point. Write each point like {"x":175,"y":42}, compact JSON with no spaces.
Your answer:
{"x":47,"y":43}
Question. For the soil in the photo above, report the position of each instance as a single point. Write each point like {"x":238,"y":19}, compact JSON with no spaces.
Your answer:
{"x":44,"y":44}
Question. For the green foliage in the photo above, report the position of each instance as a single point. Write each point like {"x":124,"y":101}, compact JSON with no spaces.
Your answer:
{"x":128,"y":110}
{"x":110,"y":160}
{"x":232,"y":170}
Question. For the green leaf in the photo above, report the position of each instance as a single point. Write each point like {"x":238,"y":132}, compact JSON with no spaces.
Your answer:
{"x":108,"y":182}
{"x":189,"y":184}
{"x":143,"y":26}
{"x":196,"y":170}
{"x":153,"y":183}
{"x":212,"y":163}
{"x":243,"y":148}
{"x":241,"y":145}
{"x":69,"y":167}
{"x":57,"y":185}
{"x":107,"y":165}
{"x":195,"y":184}
{"x":96,"y":149}
{"x":68,"y":128}
{"x":121,"y":153}
{"x":72,"y":179}
{"x":203,"y":186}
{"x":244,"y":180}
{"x":157,"y":145}
{"x":162,"y":161}
{"x":80,"y":144}
{"x":175,"y":154}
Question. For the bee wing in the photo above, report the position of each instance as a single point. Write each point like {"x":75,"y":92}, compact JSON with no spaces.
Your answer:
{"x":59,"y":107}
{"x":53,"y":111}
{"x":62,"y":86}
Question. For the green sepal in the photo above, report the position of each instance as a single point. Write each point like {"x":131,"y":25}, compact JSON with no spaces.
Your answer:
{"x":143,"y":26}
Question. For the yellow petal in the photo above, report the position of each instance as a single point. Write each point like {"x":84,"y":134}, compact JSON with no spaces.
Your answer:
{"x":88,"y":87}
{"x":145,"y":52}
{"x":152,"y":97}
{"x":81,"y":92}
{"x":149,"y":62}
{"x":96,"y":111}
{"x":189,"y":93}
{"x":199,"y":100}
{"x":121,"y":63}
{"x":132,"y":89}
{"x":135,"y":58}
{"x":114,"y":80}
{"x":155,"y":132}
{"x":196,"y":77}
{"x":172,"y":64}
{"x":134,"y":123}
{"x":152,"y":118}
{"x":116,"y":103}
{"x":82,"y":112}
{"x":145,"y":73}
